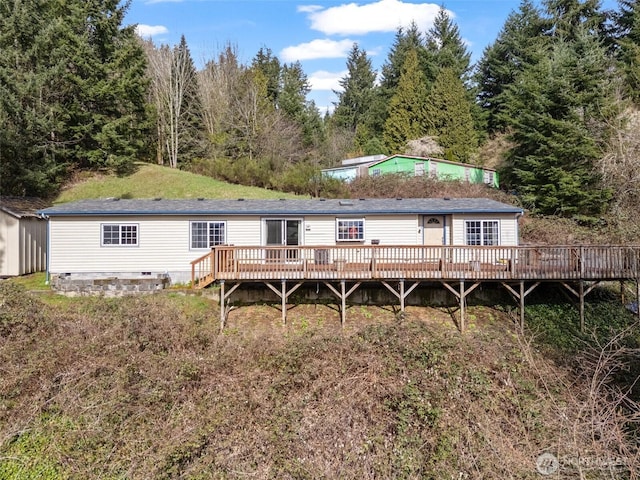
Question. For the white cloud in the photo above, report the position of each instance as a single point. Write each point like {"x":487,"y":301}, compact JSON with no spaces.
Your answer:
{"x":319,"y":48}
{"x":380,"y":16}
{"x":323,"y":80}
{"x":151,"y":30}
{"x":309,"y":8}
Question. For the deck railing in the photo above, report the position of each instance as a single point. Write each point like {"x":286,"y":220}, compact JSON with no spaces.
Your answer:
{"x":362,"y":262}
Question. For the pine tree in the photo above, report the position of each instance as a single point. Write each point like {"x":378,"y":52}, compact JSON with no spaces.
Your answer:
{"x":449,"y":111}
{"x":408,"y":119}
{"x":269,"y":65}
{"x":555,"y":111}
{"x":517,"y":46}
{"x":628,"y":41}
{"x":358,"y":86}
{"x":406,"y":40}
{"x":73,"y":90}
{"x":445,"y":49}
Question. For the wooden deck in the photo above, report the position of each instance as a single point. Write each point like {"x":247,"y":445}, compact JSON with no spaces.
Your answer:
{"x":401,"y":269}
{"x":374,"y":262}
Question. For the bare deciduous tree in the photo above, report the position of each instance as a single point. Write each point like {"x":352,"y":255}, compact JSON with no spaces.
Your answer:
{"x":172,"y":78}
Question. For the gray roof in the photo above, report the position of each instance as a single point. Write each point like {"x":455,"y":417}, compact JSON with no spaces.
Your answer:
{"x":384,"y":206}
{"x":21,"y":207}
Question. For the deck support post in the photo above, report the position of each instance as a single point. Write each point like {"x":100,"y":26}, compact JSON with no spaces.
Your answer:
{"x":283,"y":294}
{"x":521,"y":304}
{"x":520,"y":296}
{"x":461,"y":295}
{"x":343,"y":294}
{"x":462,"y":299}
{"x":223,"y":312}
{"x":343,"y":306}
{"x":638,"y":296}
{"x":224,"y":298}
{"x":580,"y":294}
{"x":283,"y":298}
{"x":403,"y":292}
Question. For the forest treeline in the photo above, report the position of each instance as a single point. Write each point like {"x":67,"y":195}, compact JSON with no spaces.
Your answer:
{"x":559,"y":86}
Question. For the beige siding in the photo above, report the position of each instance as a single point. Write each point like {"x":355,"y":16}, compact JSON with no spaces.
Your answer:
{"x":393,"y":230}
{"x":319,"y":230}
{"x":398,"y":230}
{"x":8,"y":244}
{"x":163,"y":244}
{"x":22,"y":245}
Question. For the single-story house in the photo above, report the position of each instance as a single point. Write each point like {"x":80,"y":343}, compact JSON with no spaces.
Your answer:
{"x":150,"y":237}
{"x":436,"y":168}
{"x":23,"y":236}
{"x":411,"y":165}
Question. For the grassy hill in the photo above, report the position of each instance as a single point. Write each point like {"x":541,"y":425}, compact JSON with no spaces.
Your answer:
{"x":145,"y":387}
{"x":151,"y":181}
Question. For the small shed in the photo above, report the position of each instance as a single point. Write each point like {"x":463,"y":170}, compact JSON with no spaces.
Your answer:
{"x":23,"y":236}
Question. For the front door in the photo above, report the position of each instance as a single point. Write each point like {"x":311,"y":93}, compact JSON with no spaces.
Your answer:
{"x":433,"y":228}
{"x":282,"y":232}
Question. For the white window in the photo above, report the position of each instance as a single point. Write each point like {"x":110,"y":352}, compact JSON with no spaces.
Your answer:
{"x":349,"y":230}
{"x":488,"y":177}
{"x":119,"y":234}
{"x":482,"y":232}
{"x":375,"y":172}
{"x":418,"y":169}
{"x":433,"y":169}
{"x":207,"y":234}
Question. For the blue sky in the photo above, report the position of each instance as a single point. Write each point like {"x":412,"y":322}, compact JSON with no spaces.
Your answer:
{"x":317,"y":33}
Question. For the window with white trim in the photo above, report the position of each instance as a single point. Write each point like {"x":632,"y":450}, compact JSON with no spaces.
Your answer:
{"x":488,"y":177}
{"x":113,"y":234}
{"x":375,"y":172}
{"x":207,"y":234}
{"x":349,"y":229}
{"x":418,"y":169}
{"x":485,"y":232}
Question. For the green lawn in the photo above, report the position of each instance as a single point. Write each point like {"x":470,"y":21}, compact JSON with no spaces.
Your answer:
{"x":152,"y":181}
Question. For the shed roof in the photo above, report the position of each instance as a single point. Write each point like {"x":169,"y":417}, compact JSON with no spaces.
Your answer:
{"x":426,"y":159}
{"x":20,"y":207}
{"x":386,"y":206}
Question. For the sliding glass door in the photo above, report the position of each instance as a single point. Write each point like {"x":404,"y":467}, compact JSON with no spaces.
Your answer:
{"x":282,"y":232}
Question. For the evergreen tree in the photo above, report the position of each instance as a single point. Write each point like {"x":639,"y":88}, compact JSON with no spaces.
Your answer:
{"x":628,"y":41}
{"x":569,"y":18}
{"x":405,"y":40}
{"x":358,"y":86}
{"x":449,"y":111}
{"x":445,"y":49}
{"x":408,"y":119}
{"x":555,"y":111}
{"x":295,"y":87}
{"x":294,"y":104}
{"x":270,"y":67}
{"x":517,"y":46}
{"x":73,"y":92}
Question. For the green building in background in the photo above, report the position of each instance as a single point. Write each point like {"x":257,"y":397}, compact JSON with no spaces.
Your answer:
{"x":436,"y":168}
